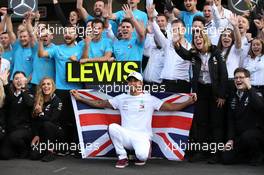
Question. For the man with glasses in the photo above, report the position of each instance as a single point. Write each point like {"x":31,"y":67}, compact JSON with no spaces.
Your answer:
{"x":245,"y":123}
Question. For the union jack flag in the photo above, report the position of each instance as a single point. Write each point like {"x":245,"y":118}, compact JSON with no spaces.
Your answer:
{"x":170,"y":129}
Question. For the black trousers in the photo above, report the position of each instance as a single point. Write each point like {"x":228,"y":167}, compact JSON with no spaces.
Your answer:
{"x":16,"y":143}
{"x":208,"y":121}
{"x":177,"y":86}
{"x":249,"y":145}
{"x":67,"y":117}
{"x":49,"y":133}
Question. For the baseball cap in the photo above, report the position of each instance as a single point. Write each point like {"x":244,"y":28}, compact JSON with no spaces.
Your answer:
{"x":136,"y":75}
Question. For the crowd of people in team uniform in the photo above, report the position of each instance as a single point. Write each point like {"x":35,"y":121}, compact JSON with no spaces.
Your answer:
{"x":217,"y":54}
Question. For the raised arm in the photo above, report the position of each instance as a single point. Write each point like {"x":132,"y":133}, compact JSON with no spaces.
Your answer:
{"x":60,"y":13}
{"x":181,"y":51}
{"x":41,"y":51}
{"x":82,"y":11}
{"x":140,"y":29}
{"x":29,"y":18}
{"x":111,"y":14}
{"x":3,"y":21}
{"x":9,"y":28}
{"x":160,"y":38}
{"x":234,"y":21}
{"x":178,"y":106}
{"x":93,"y":103}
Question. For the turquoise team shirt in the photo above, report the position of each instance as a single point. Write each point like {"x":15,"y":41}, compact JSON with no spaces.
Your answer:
{"x":42,"y":66}
{"x":187,"y":18}
{"x":22,"y":59}
{"x":139,"y":15}
{"x":61,"y":54}
{"x":98,"y":49}
{"x":128,"y":50}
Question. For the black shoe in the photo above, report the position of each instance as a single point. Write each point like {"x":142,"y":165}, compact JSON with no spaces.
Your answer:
{"x":50,"y":156}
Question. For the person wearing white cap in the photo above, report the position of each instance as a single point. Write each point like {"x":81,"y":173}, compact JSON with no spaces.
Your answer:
{"x":136,"y":109}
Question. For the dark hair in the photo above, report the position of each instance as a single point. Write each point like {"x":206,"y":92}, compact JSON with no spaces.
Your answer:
{"x":242,"y":70}
{"x":175,"y":21}
{"x":161,"y":14}
{"x":207,"y":4}
{"x":220,"y":45}
{"x":96,"y":21}
{"x":199,"y":18}
{"x":250,"y":52}
{"x":12,"y":87}
{"x":128,"y":21}
{"x":19,"y":72}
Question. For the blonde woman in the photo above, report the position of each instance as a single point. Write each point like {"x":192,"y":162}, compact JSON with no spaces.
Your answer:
{"x":46,"y":119}
{"x":208,"y":81}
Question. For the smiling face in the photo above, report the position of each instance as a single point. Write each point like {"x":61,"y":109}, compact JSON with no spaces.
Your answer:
{"x":135,"y":86}
{"x":19,"y":81}
{"x":239,"y":81}
{"x":127,"y":30}
{"x":98,"y":8}
{"x":190,"y":5}
{"x":73,"y":18}
{"x":5,"y":40}
{"x":47,"y":87}
{"x":24,"y":38}
{"x":198,"y":41}
{"x":97,"y":30}
{"x":162,"y":22}
{"x":243,"y":25}
{"x":46,"y":37}
{"x":226,"y":38}
{"x":208,"y":14}
{"x":70,"y":35}
{"x":257,"y":47}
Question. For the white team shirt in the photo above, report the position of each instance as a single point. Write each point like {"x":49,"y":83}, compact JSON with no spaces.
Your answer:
{"x":175,"y":68}
{"x":233,"y":60}
{"x":256,"y":69}
{"x":136,"y":111}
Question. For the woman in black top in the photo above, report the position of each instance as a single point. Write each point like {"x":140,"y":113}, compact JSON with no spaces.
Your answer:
{"x":208,"y":81}
{"x":18,"y":105}
{"x":46,"y":119}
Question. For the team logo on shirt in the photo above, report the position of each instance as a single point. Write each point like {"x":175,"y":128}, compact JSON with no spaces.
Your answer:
{"x":20,"y":7}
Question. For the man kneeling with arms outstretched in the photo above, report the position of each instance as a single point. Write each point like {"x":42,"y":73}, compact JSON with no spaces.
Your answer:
{"x":136,"y":109}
